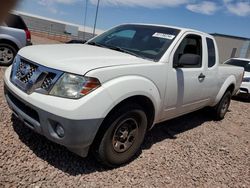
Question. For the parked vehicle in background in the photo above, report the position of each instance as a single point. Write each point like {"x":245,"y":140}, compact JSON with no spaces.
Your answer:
{"x":76,"y":41}
{"x":14,"y":35}
{"x":105,"y":95}
{"x":245,"y":86}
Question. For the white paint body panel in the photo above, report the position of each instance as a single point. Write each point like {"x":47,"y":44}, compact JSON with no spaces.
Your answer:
{"x":76,"y":58}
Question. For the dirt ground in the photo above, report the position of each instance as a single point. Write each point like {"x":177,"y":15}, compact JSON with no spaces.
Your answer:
{"x":41,"y":40}
{"x":190,"y":151}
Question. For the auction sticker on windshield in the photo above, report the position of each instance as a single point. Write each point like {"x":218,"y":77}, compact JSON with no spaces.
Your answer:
{"x":163,"y":35}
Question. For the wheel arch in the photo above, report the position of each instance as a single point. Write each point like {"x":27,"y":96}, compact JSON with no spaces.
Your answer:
{"x":10,"y":42}
{"x":231,"y":88}
{"x":140,"y":100}
{"x":228,"y":85}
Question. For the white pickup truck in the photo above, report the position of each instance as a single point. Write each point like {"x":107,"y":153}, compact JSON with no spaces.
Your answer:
{"x":106,"y":94}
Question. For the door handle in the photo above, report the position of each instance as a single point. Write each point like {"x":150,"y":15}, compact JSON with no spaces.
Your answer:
{"x":201,"y":76}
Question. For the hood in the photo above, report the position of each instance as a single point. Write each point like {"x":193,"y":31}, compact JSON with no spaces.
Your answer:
{"x":77,"y":58}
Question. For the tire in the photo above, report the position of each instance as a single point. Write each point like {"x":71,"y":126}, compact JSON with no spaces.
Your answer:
{"x":222,"y":107}
{"x":123,"y":137}
{"x":7,"y":54}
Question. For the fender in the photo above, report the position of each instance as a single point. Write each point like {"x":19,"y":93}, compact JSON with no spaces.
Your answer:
{"x":11,"y":39}
{"x":229,"y":81}
{"x":124,"y":87}
{"x":14,"y":35}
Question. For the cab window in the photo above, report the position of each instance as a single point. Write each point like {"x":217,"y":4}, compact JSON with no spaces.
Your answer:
{"x":191,"y":44}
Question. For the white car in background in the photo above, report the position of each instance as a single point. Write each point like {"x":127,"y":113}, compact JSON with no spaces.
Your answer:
{"x":245,"y":86}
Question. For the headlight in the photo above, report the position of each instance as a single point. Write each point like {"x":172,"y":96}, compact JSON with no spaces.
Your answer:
{"x":74,"y":86}
{"x":246,"y":79}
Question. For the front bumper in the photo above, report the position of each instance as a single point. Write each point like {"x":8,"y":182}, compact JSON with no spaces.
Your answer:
{"x":78,"y":134}
{"x":244,"y":90}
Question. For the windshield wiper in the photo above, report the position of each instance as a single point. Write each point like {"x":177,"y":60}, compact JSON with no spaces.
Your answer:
{"x":123,"y":50}
{"x":95,"y":44}
{"x":113,"y":48}
{"x":128,"y":52}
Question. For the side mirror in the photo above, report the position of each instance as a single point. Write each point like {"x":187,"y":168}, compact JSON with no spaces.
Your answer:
{"x":189,"y":60}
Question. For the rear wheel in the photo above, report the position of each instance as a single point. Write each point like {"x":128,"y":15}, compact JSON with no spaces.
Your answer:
{"x":222,"y":107}
{"x":124,"y":136}
{"x":7,"y":54}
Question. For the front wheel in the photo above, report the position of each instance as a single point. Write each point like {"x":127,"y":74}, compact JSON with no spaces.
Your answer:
{"x":222,"y":107}
{"x":124,"y":136}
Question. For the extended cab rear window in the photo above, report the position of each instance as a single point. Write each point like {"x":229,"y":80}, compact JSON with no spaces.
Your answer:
{"x":15,"y":21}
{"x":211,"y":52}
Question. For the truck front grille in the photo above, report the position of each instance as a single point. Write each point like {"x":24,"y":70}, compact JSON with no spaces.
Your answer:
{"x":47,"y":83}
{"x":21,"y":74}
{"x":30,"y":77}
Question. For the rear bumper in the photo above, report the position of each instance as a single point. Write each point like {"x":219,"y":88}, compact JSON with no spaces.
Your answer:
{"x":29,"y":43}
{"x":78,"y":134}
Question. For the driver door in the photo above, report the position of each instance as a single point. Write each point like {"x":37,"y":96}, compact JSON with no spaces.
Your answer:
{"x":185,"y":85}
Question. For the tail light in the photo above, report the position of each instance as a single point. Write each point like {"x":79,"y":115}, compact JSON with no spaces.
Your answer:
{"x":242,"y":77}
{"x":28,"y":35}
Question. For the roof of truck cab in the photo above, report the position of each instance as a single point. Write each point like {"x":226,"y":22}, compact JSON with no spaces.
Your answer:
{"x":170,"y":26}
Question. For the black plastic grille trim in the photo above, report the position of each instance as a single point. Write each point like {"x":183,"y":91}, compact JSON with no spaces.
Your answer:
{"x":23,"y":107}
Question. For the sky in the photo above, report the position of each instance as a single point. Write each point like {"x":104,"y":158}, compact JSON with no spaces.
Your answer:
{"x":231,"y":17}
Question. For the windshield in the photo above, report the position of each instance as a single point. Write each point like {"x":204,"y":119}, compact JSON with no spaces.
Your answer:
{"x":241,"y":63}
{"x":148,"y":42}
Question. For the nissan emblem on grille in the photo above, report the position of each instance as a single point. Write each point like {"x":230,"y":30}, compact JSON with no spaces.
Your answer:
{"x":25,"y":70}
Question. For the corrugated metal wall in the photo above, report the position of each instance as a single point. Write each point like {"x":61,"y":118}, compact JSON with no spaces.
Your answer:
{"x":51,"y":27}
{"x":232,"y":47}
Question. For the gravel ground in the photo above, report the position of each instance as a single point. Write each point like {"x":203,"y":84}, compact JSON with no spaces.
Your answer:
{"x":191,"y":151}
{"x":40,"y":40}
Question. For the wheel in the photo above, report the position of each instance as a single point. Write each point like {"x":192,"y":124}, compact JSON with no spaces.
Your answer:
{"x":222,"y":107}
{"x":124,"y":136}
{"x":7,"y":54}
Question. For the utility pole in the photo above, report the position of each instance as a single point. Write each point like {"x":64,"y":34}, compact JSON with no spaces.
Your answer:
{"x":96,"y":14}
{"x":85,"y":18}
